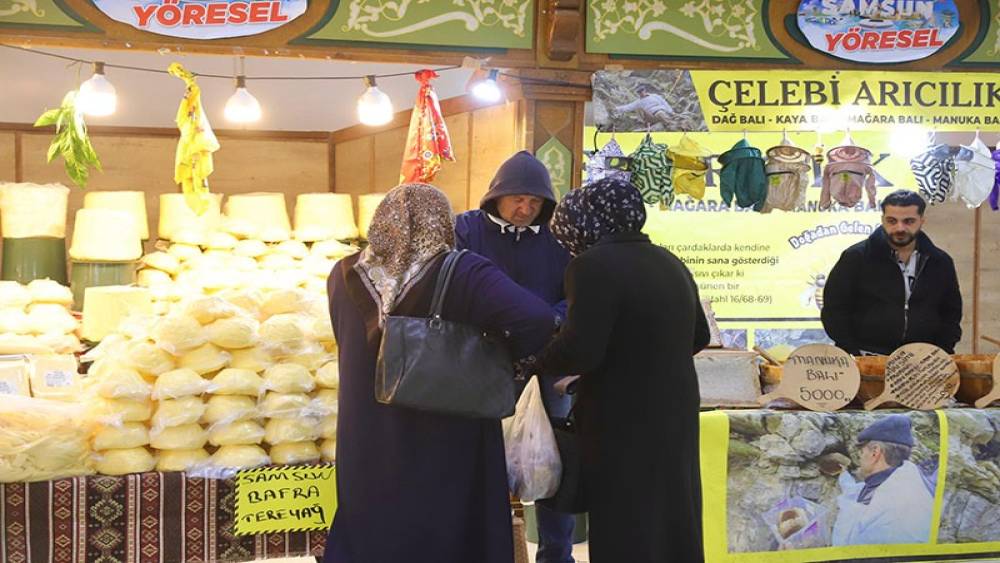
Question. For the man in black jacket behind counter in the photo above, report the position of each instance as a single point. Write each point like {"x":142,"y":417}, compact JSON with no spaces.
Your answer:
{"x":894,"y":288}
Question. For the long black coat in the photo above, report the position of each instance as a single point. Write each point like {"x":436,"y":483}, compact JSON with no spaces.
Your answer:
{"x":633,"y":325}
{"x":864,"y":299}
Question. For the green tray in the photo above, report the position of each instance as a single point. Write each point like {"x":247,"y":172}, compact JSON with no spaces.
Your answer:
{"x":96,"y":274}
{"x":35,"y":258}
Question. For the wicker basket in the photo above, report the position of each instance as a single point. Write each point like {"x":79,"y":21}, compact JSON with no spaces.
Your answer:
{"x":977,"y":376}
{"x":872,"y":370}
{"x":770,"y":374}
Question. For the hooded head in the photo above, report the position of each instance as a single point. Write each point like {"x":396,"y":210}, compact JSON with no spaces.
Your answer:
{"x":521,"y":174}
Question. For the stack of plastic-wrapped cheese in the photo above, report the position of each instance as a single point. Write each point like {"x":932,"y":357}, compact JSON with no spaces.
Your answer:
{"x":238,"y":379}
{"x":227,"y":263}
{"x":250,"y":247}
{"x":36,"y":318}
{"x":43,"y":439}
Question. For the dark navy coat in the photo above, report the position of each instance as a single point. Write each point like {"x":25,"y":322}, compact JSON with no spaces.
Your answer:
{"x":412,"y":486}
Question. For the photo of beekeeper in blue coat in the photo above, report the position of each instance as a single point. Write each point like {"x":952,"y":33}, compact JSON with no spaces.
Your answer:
{"x":889,"y":500}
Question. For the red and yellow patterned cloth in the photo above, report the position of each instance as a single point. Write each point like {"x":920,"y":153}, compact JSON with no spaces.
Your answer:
{"x":143,"y":518}
{"x":427,"y":143}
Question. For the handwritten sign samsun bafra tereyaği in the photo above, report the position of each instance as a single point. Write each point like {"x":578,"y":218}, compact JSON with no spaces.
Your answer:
{"x":285,"y":499}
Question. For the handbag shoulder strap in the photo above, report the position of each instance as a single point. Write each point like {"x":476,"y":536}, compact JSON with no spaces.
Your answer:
{"x":443,"y":281}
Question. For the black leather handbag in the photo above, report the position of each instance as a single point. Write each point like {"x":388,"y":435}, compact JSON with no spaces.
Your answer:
{"x":435,"y":365}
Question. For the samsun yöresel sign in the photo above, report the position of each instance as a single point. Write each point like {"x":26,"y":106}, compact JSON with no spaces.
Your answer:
{"x":203,"y":20}
{"x":878,"y":31}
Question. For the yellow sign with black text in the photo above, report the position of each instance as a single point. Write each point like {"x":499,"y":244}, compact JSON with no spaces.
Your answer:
{"x":285,"y":499}
{"x":857,"y":100}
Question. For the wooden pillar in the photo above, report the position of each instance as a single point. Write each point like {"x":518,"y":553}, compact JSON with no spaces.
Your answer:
{"x":551,"y":119}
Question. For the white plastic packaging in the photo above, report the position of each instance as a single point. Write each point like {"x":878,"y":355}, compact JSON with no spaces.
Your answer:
{"x":177,"y":383}
{"x":288,"y":378}
{"x":123,"y":462}
{"x":533,"y":463}
{"x":224,"y":409}
{"x":178,"y":412}
{"x":186,"y":437}
{"x":294,"y":452}
{"x":234,"y":381}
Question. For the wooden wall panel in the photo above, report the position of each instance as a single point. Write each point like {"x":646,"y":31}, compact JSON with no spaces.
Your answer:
{"x":261,"y":165}
{"x":494,"y":140}
{"x":354,"y":167}
{"x":388,"y":157}
{"x":8,"y":157}
{"x":989,"y":278}
{"x":952,"y":228}
{"x":293,"y":167}
{"x":453,"y":179}
{"x":481,"y":139}
{"x":130,"y":163}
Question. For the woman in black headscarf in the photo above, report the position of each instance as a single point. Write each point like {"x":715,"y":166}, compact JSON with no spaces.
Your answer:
{"x":633,"y":325}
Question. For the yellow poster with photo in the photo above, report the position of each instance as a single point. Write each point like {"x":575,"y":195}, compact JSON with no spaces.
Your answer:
{"x":790,"y":486}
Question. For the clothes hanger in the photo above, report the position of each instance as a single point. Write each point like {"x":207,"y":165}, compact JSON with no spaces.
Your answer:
{"x":976,"y":138}
{"x":847,"y":140}
{"x":785,"y":140}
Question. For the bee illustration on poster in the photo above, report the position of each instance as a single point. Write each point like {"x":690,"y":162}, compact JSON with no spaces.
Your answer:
{"x":812,"y":296}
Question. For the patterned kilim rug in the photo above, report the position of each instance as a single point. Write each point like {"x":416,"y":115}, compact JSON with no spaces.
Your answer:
{"x":143,"y":518}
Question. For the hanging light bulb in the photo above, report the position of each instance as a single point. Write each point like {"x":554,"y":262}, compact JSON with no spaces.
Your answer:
{"x":487,"y":89}
{"x":97,"y":95}
{"x":374,"y":106}
{"x":242,"y":107}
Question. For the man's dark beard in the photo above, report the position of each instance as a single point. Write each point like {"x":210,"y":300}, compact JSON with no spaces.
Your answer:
{"x":909,"y":239}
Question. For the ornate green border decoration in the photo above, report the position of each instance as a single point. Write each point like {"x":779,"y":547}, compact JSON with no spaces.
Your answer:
{"x":53,"y":14}
{"x":485,"y":24}
{"x":987,"y":50}
{"x":559,"y":161}
{"x":694,"y":29}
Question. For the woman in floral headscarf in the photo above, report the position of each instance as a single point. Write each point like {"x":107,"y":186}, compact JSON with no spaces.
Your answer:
{"x":415,"y":486}
{"x":633,"y":325}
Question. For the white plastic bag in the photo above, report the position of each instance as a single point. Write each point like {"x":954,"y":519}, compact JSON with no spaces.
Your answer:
{"x":533,"y":463}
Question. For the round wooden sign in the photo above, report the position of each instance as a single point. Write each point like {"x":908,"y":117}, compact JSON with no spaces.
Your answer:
{"x":819,"y":377}
{"x":918,"y":376}
{"x":994,"y":394}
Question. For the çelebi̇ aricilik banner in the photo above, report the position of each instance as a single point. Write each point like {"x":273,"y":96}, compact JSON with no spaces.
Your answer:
{"x":203,"y":20}
{"x":878,"y":31}
{"x":679,"y":100}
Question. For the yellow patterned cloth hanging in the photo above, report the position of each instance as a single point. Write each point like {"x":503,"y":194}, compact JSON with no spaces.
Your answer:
{"x":193,"y":162}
